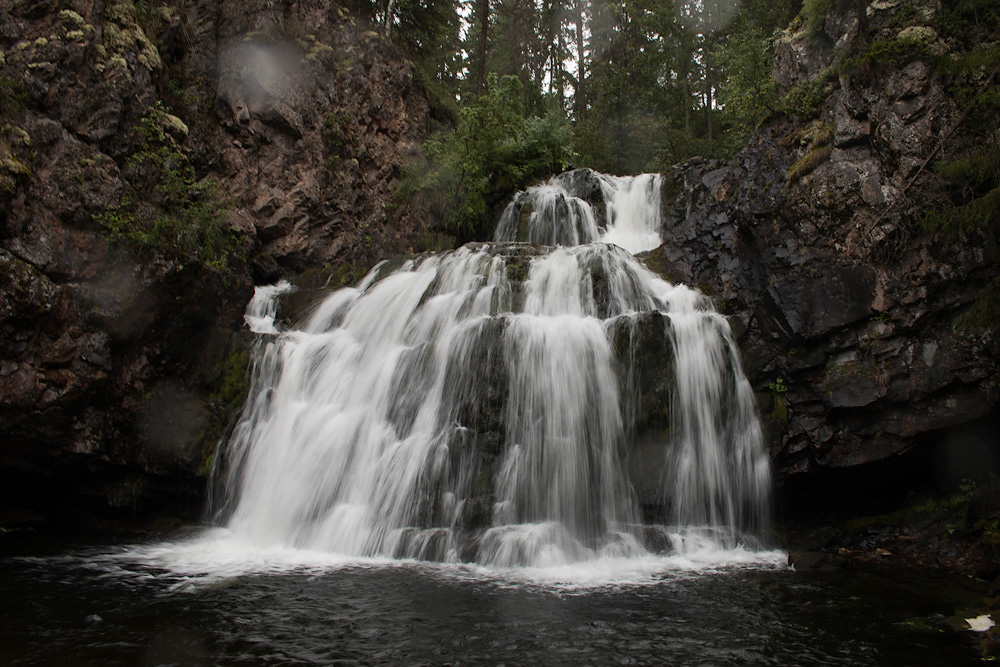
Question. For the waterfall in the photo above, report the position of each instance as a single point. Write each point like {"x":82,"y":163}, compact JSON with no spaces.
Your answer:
{"x":488,"y":404}
{"x":583,"y":206}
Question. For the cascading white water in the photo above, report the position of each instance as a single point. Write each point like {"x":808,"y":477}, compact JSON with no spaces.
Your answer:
{"x":634,"y":213}
{"x":478,"y":405}
{"x":565,"y":211}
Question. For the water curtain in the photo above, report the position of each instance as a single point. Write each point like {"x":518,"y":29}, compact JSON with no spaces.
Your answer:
{"x":505,"y":403}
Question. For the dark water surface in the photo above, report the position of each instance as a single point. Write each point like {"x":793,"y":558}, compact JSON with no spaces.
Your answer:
{"x":81,"y":608}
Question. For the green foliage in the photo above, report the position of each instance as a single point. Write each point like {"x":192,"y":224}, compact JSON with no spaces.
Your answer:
{"x":984,"y":314}
{"x":814,"y":12}
{"x":440,"y":95}
{"x":979,"y":214}
{"x":335,"y":134}
{"x":973,"y":174}
{"x":973,"y":169}
{"x":186,"y":96}
{"x":429,"y":34}
{"x":166,"y":209}
{"x":887,"y":53}
{"x":625,"y":144}
{"x":805,"y":100}
{"x":748,"y":93}
{"x":950,"y":506}
{"x":966,"y":21}
{"x":975,"y":183}
{"x":778,"y":386}
{"x":492,"y":152}
{"x":970,"y":85}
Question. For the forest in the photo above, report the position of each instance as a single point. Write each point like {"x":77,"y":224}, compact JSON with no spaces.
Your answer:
{"x":521,"y":89}
{"x":534,"y":87}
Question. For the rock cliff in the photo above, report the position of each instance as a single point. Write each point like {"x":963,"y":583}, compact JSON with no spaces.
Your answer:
{"x":126,"y":129}
{"x":855,"y":315}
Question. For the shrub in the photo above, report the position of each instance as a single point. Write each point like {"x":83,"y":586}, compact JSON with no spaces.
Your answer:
{"x":493,"y":151}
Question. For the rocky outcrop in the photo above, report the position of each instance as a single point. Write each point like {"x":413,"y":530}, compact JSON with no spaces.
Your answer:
{"x":812,"y":241}
{"x":306,"y":116}
{"x":118,"y":366}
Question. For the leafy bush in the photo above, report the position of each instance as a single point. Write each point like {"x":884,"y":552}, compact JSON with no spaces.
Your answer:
{"x":748,"y":92}
{"x":815,"y":13}
{"x":493,"y":151}
{"x":805,"y":101}
{"x":165,"y":208}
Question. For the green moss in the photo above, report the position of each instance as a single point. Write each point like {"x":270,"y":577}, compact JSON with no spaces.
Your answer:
{"x":228,"y":401}
{"x":779,"y":411}
{"x":434,"y":242}
{"x":859,"y":524}
{"x":951,"y":509}
{"x":166,"y":209}
{"x":843,"y":373}
{"x":984,"y":314}
{"x":517,"y":269}
{"x":234,"y":382}
{"x":819,"y":137}
{"x":72,"y":17}
{"x":890,"y":53}
{"x":318,"y":52}
{"x":335,"y":134}
{"x":808,"y":162}
{"x":122,"y":34}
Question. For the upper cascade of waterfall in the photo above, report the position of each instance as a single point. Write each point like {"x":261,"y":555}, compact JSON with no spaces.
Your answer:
{"x":263,"y":307}
{"x":583,"y":206}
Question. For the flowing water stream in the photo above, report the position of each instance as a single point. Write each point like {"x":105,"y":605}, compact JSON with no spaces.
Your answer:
{"x":530,"y":451}
{"x":480,"y":405}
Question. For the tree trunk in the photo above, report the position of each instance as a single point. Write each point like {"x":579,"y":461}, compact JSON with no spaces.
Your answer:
{"x":390,"y":8}
{"x":708,"y":111}
{"x":708,"y":105}
{"x":581,"y":72}
{"x":484,"y":19}
{"x":558,"y":80}
{"x":686,"y":91}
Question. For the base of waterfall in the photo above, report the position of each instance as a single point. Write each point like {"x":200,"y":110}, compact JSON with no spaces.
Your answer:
{"x":210,"y":599}
{"x":217,"y":555}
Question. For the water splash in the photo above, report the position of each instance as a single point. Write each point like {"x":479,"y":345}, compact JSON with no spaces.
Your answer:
{"x":263,"y":307}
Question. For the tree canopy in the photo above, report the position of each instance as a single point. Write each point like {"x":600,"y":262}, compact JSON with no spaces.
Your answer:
{"x":630,"y":86}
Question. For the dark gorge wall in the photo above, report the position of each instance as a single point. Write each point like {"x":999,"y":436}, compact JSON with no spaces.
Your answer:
{"x":283,"y":127}
{"x":861,"y":327}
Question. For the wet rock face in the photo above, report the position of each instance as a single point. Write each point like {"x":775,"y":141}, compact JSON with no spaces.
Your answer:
{"x":811,"y":240}
{"x":112,"y":358}
{"x":313,"y":118}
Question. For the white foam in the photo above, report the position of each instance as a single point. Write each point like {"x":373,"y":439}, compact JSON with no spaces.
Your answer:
{"x":263,"y":308}
{"x":217,"y":555}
